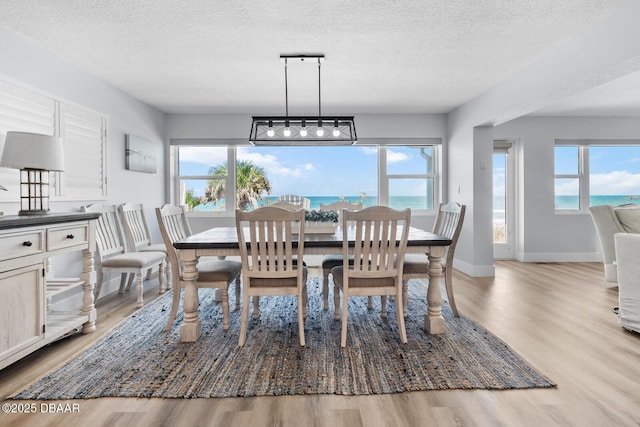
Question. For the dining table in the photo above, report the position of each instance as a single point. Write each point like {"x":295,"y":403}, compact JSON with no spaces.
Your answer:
{"x":223,"y":242}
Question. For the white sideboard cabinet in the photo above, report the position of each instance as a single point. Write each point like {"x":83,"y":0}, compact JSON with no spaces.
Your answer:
{"x":27,"y":321}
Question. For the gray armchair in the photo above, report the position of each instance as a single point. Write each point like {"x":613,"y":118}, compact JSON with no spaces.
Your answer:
{"x":628,"y":247}
{"x":610,"y":220}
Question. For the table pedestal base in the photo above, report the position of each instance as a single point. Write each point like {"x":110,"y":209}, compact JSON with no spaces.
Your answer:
{"x":190,"y":332}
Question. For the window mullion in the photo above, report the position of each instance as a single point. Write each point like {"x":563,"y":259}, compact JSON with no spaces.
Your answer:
{"x":230,"y":181}
{"x":583,"y":178}
{"x":383,"y":178}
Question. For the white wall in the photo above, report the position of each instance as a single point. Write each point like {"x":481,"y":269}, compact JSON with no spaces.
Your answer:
{"x":34,"y":68}
{"x":608,"y":50}
{"x":548,"y":236}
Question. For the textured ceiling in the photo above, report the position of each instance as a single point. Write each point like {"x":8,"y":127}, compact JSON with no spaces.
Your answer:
{"x":404,"y":56}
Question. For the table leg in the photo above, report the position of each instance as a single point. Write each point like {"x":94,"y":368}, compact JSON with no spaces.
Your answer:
{"x":88,"y":275}
{"x":191,"y":328}
{"x":433,"y":320}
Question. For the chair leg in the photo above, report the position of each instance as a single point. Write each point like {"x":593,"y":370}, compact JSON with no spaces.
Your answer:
{"x":169,"y":272}
{"x":238,"y":289}
{"x":162,"y":287}
{"x":448,"y":284}
{"x":140,"y":289}
{"x":123,"y":281}
{"x":405,"y":296}
{"x":99,"y":282}
{"x":305,"y":299}
{"x":256,"y":307}
{"x":325,"y":288}
{"x":225,"y":309}
{"x":400,"y":316}
{"x":174,"y":306}
{"x":336,"y":302}
{"x":129,"y":283}
{"x":383,"y":306}
{"x":345,"y":311}
{"x":245,"y":318}
{"x":301,"y":315}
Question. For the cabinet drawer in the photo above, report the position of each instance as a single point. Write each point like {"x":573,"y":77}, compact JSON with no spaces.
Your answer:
{"x":16,"y":245}
{"x":66,"y":237}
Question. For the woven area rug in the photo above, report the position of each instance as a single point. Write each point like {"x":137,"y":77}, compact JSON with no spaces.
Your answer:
{"x":140,"y":359}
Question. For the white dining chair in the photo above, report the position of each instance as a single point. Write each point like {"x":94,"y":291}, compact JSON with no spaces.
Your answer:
{"x":212,"y":273}
{"x":380,"y":241}
{"x":113,"y":255}
{"x":138,"y":236}
{"x":269,"y":259}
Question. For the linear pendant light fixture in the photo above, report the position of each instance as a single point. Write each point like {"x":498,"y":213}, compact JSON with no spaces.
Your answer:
{"x":302,"y":130}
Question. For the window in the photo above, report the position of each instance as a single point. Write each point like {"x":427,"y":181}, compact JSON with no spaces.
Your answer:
{"x":83,"y":133}
{"x":594,"y":173}
{"x":410,"y":175}
{"x":398,"y":176}
{"x":568,"y":161}
{"x":203,"y":174}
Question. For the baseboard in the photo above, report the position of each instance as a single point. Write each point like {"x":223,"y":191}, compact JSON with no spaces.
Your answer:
{"x":560,"y":257}
{"x":475,"y":270}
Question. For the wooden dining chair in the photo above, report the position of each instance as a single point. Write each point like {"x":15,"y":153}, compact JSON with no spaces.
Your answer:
{"x":301,"y":201}
{"x":380,"y":237}
{"x":286,"y":205}
{"x":113,"y":255}
{"x":448,"y":224}
{"x":333,"y":260}
{"x":269,"y":255}
{"x":138,"y":237}
{"x":212,"y":273}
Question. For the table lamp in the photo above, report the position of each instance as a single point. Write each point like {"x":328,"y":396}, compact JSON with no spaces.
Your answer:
{"x":35,"y":155}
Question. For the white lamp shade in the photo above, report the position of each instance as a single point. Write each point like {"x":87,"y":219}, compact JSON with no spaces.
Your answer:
{"x":25,"y":150}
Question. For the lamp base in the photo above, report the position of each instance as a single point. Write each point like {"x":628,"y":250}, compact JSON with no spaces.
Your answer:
{"x":33,"y":212}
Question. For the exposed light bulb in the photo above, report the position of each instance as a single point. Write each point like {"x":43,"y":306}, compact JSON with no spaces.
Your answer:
{"x":287,"y":132}
{"x":320,"y":132}
{"x":270,"y":132}
{"x":336,"y":132}
{"x":303,"y":132}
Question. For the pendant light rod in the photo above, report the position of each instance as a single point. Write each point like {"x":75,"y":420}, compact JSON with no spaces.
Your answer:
{"x":286,"y":89}
{"x":319,"y":103}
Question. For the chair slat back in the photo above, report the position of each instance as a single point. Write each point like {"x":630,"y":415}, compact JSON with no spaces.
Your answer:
{"x":380,"y":237}
{"x":265,"y":236}
{"x":109,"y":236}
{"x":296,"y":200}
{"x":449,"y":223}
{"x":174,"y":226}
{"x":286,"y":205}
{"x":135,"y":225}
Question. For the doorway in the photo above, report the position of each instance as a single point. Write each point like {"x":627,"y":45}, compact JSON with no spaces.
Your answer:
{"x":503,"y":200}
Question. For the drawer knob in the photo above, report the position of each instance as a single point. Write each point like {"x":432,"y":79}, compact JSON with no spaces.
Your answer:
{"x":27,"y":243}
{"x":70,"y":236}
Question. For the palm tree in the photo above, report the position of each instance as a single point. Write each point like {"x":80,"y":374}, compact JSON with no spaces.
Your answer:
{"x":251,"y":183}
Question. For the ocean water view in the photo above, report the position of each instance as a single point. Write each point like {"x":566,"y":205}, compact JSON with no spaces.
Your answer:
{"x":396,"y":202}
{"x":573,"y":202}
{"x":568,"y":203}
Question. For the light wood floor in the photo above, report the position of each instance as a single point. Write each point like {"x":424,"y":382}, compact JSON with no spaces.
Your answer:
{"x":557,"y":316}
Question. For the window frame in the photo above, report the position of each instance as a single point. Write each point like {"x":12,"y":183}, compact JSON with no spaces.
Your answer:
{"x":233,"y":144}
{"x":583,"y":175}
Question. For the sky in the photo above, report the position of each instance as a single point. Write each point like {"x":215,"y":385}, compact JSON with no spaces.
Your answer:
{"x":314,"y":171}
{"x":613,"y":170}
